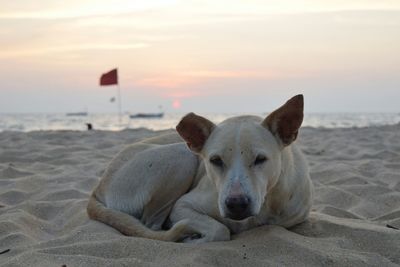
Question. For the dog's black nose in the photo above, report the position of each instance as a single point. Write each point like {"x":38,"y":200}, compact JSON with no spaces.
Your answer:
{"x":238,"y":207}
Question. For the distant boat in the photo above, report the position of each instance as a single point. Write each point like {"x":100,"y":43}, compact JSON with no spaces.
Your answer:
{"x":147,"y":115}
{"x":77,"y":114}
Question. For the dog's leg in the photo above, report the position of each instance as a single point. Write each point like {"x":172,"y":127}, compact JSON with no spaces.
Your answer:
{"x":206,"y":228}
{"x":129,"y":225}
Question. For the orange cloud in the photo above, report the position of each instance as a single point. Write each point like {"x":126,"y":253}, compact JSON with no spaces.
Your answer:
{"x":185,"y":78}
{"x":181,"y":85}
{"x":204,"y":74}
{"x":169,"y":81}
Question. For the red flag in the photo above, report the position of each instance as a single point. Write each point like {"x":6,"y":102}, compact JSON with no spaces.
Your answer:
{"x":109,"y":78}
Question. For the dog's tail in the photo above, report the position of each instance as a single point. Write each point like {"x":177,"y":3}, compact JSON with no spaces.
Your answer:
{"x":131,"y":226}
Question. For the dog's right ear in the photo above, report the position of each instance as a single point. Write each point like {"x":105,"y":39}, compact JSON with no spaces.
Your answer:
{"x":195,"y":130}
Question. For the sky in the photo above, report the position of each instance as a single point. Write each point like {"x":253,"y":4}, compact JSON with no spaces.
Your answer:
{"x":200,"y":55}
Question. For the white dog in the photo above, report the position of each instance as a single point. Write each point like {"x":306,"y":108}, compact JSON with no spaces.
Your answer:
{"x":237,"y":175}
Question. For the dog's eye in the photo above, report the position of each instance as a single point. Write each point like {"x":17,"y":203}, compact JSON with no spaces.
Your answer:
{"x":217,"y":161}
{"x":260,"y":159}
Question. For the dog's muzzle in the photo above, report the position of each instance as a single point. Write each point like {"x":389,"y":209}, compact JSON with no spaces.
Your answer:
{"x":238,"y":207}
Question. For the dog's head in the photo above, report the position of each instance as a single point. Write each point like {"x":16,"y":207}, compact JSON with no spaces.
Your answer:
{"x":242,"y":155}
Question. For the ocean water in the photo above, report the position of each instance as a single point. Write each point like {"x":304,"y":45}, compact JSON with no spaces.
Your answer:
{"x":35,"y":122}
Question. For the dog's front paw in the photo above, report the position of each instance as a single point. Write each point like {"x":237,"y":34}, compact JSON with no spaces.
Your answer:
{"x":191,"y":238}
{"x":199,"y":239}
{"x":183,"y":231}
{"x":222,"y":235}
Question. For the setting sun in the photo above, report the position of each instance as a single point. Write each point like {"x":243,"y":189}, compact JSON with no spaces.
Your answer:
{"x":176,"y":104}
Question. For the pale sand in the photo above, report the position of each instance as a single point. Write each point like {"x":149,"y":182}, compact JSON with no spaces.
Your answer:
{"x":46,"y":178}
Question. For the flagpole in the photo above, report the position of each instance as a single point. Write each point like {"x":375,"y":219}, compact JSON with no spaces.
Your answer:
{"x":111,"y":78}
{"x":119,"y":104}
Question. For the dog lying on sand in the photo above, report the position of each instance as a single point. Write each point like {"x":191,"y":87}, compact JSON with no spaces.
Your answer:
{"x":207,"y":181}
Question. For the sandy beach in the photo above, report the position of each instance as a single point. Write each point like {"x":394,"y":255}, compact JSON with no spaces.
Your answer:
{"x":47,"y":176}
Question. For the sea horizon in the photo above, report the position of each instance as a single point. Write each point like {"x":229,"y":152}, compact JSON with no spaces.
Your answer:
{"x":26,"y":122}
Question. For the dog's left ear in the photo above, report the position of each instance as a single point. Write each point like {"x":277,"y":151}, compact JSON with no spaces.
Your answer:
{"x":195,"y":130}
{"x":285,"y":122}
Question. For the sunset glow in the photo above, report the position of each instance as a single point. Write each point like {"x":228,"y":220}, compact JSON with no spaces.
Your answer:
{"x":217,"y":52}
{"x":176,"y":104}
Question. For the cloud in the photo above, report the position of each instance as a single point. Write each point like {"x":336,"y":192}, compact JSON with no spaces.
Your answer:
{"x":46,"y":50}
{"x":181,"y":9}
{"x":189,"y":84}
{"x":185,"y":78}
{"x":48,"y":9}
{"x":220,"y":74}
